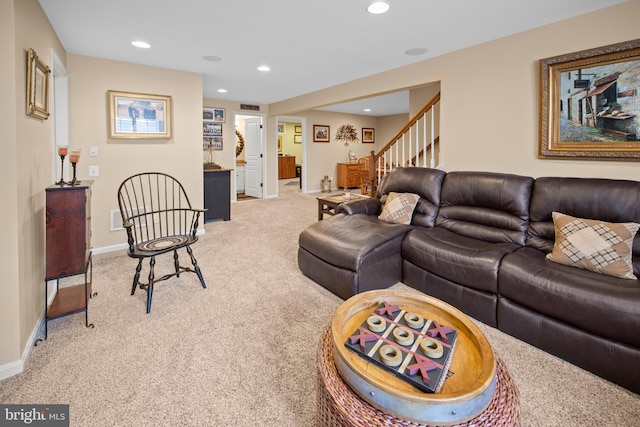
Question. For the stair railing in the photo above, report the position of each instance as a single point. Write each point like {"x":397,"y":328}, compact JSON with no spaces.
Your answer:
{"x":417,"y":144}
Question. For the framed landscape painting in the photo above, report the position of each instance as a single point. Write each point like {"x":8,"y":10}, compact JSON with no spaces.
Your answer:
{"x":588,"y":104}
{"x":138,"y":115}
{"x":320,"y":133}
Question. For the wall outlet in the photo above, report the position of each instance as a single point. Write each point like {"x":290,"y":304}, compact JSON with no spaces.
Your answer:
{"x":94,"y":170}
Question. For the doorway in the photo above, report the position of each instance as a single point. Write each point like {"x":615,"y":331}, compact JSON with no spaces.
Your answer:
{"x":249,"y":158}
{"x":291,"y":136}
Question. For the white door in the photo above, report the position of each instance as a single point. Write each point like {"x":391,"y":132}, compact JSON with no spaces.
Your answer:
{"x":253,"y":157}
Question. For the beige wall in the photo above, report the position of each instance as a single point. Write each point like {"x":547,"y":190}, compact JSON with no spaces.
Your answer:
{"x":181,"y":156}
{"x":489,"y":92}
{"x":10,"y":327}
{"x":28,"y":147}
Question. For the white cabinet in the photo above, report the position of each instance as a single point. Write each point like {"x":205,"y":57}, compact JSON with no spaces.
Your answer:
{"x":239,"y":179}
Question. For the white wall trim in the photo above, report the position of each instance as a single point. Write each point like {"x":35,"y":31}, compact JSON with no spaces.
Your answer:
{"x":14,"y":368}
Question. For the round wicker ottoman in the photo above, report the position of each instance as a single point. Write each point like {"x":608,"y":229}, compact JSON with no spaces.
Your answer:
{"x":337,"y":405}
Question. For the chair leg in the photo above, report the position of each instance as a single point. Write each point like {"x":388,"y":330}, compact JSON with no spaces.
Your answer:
{"x":176,"y":263}
{"x":136,"y":277}
{"x":195,"y":266}
{"x":152,"y":263}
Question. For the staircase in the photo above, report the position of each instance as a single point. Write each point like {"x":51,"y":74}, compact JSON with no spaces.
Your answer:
{"x":417,"y":144}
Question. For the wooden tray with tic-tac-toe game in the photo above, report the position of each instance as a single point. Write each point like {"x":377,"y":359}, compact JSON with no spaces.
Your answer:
{"x":446,"y":372}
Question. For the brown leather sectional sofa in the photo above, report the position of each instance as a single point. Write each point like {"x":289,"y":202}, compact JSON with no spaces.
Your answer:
{"x":478,"y":241}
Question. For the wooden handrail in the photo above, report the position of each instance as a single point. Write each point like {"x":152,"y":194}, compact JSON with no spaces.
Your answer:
{"x":374,"y":158}
{"x":408,"y":125}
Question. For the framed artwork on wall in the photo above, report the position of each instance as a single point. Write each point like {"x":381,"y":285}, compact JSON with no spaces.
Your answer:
{"x":321,"y":133}
{"x":298,"y":129}
{"x":297,"y":139}
{"x":279,"y":143}
{"x":210,"y":114}
{"x":138,"y":115}
{"x":368,"y":135}
{"x":37,"y":86}
{"x":588,"y":104}
{"x":280,"y":127}
{"x":211,"y":129}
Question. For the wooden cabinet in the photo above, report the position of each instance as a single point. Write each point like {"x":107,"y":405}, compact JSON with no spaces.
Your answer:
{"x":286,"y":167}
{"x":348,"y":175}
{"x":68,"y":248}
{"x":217,"y":194}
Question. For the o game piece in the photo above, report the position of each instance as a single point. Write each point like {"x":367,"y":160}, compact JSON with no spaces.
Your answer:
{"x":390,"y":355}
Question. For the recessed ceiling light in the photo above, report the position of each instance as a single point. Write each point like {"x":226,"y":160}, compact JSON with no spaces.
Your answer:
{"x":222,"y":90}
{"x":212,"y":58}
{"x":416,"y":51}
{"x":264,"y":68}
{"x":141,"y":44}
{"x":367,"y":109}
{"x":378,"y":7}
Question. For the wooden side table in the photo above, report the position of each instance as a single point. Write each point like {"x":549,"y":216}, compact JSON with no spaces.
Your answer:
{"x":328,"y":204}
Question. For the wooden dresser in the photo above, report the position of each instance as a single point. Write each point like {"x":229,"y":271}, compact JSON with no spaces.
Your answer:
{"x":348,"y":175}
{"x":286,"y":167}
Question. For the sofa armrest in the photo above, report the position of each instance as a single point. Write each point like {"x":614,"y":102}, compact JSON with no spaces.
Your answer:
{"x":370,"y":206}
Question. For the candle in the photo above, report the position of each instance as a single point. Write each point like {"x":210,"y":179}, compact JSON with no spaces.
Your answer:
{"x":62,"y":151}
{"x":75,"y":157}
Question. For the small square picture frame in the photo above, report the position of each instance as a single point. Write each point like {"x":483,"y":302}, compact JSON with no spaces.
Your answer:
{"x":368,"y":135}
{"x":321,"y":133}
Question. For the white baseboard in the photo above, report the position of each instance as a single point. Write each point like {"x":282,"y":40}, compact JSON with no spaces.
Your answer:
{"x":14,"y":368}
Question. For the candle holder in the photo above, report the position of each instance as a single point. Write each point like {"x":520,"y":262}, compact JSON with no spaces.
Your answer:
{"x":62,"y":152}
{"x":74,"y":158}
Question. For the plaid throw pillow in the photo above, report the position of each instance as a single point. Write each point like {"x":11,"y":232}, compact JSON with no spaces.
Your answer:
{"x":603,"y":247}
{"x":399,"y":208}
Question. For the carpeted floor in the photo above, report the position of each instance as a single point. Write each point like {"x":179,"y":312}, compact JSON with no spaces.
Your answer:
{"x":243,"y":351}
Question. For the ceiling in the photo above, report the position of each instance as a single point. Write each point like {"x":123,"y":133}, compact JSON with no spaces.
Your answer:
{"x":309,"y":45}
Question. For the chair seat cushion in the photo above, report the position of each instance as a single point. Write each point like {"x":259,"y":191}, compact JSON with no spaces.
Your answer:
{"x":460,"y":259}
{"x":603,"y":305}
{"x":344,"y":240}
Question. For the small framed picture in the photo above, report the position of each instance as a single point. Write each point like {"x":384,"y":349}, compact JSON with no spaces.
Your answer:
{"x":321,"y":133}
{"x":298,"y":129}
{"x":279,"y":143}
{"x":280,"y":127}
{"x":297,"y":139}
{"x":368,"y":135}
{"x":211,"y":129}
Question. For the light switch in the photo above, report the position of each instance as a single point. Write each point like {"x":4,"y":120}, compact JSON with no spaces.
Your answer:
{"x":93,"y":151}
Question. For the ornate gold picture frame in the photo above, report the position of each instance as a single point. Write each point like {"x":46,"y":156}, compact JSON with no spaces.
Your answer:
{"x":590,"y":105}
{"x":139,"y":115}
{"x":37,"y":86}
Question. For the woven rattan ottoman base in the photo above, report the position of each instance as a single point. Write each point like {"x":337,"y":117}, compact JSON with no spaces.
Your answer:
{"x":339,"y":406}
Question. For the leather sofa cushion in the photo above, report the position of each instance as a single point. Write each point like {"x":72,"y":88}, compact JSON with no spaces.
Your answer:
{"x":460,"y":259}
{"x":344,"y":240}
{"x":592,"y":198}
{"x":425,"y":182}
{"x":602,"y":305}
{"x":487,"y":206}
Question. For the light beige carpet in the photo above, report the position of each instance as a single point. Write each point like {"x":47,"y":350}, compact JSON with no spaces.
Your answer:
{"x":243,"y":351}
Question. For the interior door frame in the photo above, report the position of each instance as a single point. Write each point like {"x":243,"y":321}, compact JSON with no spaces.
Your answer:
{"x":303,"y":160}
{"x":263,"y":162}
